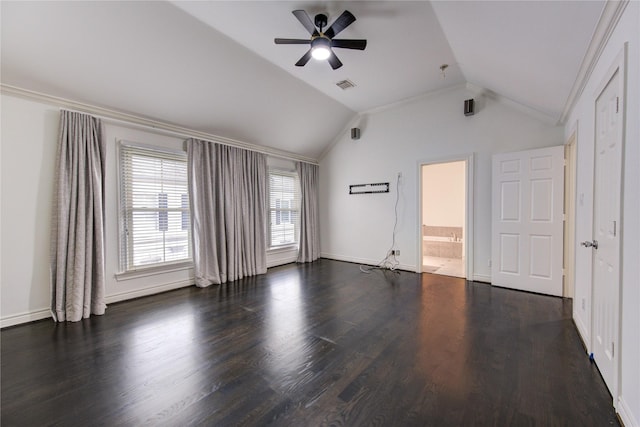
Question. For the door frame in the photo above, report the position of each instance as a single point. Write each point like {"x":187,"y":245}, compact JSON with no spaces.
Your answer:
{"x":569,"y":261}
{"x":619,"y":65}
{"x":468,"y":215}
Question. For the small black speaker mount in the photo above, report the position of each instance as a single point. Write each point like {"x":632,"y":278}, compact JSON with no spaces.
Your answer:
{"x":469,"y":107}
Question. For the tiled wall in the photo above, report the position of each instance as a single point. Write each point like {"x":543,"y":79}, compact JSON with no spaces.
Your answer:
{"x":431,"y":230}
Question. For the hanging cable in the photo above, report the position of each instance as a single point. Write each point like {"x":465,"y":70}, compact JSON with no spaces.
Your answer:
{"x":389,"y":262}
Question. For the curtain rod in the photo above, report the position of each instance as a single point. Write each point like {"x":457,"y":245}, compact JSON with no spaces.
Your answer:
{"x":136,"y":122}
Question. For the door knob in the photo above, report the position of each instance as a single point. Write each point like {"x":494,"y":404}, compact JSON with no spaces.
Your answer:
{"x":590,"y":243}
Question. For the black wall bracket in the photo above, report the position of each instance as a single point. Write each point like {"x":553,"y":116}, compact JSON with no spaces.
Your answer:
{"x":382,"y":187}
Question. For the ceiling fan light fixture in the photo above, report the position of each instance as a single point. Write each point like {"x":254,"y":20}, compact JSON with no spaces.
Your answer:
{"x":320,"y":48}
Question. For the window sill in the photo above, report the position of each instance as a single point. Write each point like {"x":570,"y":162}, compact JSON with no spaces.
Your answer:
{"x":287,"y":248}
{"x":152,"y":271}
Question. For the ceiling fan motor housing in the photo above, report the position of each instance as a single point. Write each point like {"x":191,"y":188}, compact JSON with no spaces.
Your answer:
{"x":321,"y":21}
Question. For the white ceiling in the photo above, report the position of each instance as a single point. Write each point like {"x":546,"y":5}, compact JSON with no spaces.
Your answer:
{"x":212,"y":66}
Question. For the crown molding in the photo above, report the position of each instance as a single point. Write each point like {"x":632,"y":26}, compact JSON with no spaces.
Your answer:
{"x":411,"y":99}
{"x":537,"y":114}
{"x":155,"y":126}
{"x":607,"y":23}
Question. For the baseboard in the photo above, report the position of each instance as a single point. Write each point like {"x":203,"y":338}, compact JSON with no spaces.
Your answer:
{"x":582,"y":332}
{"x":625,"y":414}
{"x":364,"y":261}
{"x":17,"y":319}
{"x":137,"y":293}
{"x":481,"y":278}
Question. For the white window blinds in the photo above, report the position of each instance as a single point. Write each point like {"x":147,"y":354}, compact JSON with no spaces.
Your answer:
{"x":284,"y":208}
{"x":154,"y":208}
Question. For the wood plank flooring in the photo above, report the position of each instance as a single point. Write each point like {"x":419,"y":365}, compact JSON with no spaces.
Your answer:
{"x":320,"y":344}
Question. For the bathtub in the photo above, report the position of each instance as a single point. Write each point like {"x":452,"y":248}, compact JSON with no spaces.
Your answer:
{"x":439,"y":241}
{"x":441,"y":247}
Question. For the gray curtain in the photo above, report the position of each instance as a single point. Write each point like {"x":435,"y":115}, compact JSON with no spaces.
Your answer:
{"x":309,"y":219}
{"x":228,"y":197}
{"x":77,"y":243}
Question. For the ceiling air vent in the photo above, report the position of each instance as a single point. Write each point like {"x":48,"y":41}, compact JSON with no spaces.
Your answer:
{"x":345,"y":84}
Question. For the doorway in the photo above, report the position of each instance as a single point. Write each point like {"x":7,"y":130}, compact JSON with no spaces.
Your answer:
{"x":443,"y":231}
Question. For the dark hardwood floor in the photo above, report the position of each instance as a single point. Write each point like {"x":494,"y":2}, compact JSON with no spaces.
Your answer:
{"x":310,"y":345}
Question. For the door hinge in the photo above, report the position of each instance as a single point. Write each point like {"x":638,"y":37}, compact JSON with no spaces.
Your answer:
{"x":617,"y":104}
{"x":614,"y":229}
{"x":613,"y":350}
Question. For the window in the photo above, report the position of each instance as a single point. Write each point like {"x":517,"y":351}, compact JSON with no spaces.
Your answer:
{"x":284,"y":202}
{"x":154,"y":208}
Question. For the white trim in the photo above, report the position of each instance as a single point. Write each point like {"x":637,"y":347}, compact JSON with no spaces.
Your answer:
{"x":482,"y":278}
{"x":582,"y":330}
{"x":625,"y":413}
{"x":376,"y":110}
{"x":357,"y":118}
{"x":136,"y":122}
{"x":365,"y":261}
{"x":609,"y":18}
{"x":570,"y":244}
{"x":489,"y":94}
{"x":293,"y":257}
{"x":152,"y":290}
{"x":360,"y":119}
{"x":153,"y":271}
{"x":30,"y":316}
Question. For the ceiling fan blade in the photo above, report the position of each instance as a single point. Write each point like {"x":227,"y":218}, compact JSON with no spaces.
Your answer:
{"x":306,"y":22}
{"x":334,"y":61}
{"x":340,"y":24}
{"x":291,"y":41}
{"x":349,"y":44}
{"x":305,"y":58}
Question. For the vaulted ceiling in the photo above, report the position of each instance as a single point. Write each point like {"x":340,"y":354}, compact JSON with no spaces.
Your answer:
{"x":212,"y":66}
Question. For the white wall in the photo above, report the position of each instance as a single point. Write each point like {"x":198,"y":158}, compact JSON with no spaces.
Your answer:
{"x":443,"y":194}
{"x":582,"y":117}
{"x":359,"y":228}
{"x":29,"y":143}
{"x":28,"y":136}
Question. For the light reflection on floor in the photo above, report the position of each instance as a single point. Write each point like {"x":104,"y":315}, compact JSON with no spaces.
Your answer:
{"x":146,"y":359}
{"x":445,"y":266}
{"x":285,"y":326}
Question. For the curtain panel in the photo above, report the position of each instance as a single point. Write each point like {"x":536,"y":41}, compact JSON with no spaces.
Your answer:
{"x":77,"y":243}
{"x":228,"y":198}
{"x":309,"y":216}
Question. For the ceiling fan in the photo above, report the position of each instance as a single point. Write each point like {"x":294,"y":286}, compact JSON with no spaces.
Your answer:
{"x":322,"y":41}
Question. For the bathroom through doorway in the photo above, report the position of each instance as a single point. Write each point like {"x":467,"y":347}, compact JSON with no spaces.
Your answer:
{"x":444,"y":211}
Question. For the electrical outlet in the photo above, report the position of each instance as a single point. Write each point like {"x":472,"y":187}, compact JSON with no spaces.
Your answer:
{"x":397,"y":251}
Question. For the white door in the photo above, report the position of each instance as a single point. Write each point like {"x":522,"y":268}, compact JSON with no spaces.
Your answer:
{"x":527,"y":229}
{"x":606,"y":228}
